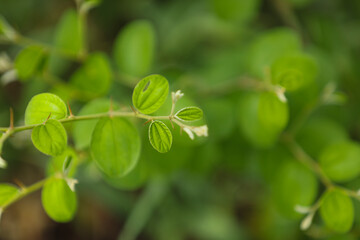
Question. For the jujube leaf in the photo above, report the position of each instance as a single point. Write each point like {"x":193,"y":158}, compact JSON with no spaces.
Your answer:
{"x":42,"y":106}
{"x":189,"y":114}
{"x":337,"y":211}
{"x":150,"y":93}
{"x":50,"y":138}
{"x":58,"y":200}
{"x":160,"y":136}
{"x":115,"y":146}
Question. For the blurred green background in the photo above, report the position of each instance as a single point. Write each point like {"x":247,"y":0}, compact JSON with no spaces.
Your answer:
{"x":239,"y":183}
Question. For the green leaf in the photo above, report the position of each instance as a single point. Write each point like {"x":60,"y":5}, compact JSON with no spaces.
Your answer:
{"x":318,"y":133}
{"x":160,"y":136}
{"x":134,"y":48}
{"x":8,"y":192}
{"x":58,"y":200}
{"x":189,"y":114}
{"x":294,"y":71}
{"x":273,"y":113}
{"x":28,"y":61}
{"x":65,"y":163}
{"x":41,"y":106}
{"x":341,"y":161}
{"x":50,"y":138}
{"x":294,"y":185}
{"x":94,"y":77}
{"x":236,"y":10}
{"x":68,"y":35}
{"x":150,"y":93}
{"x":83,"y":130}
{"x":337,"y":211}
{"x":115,"y":146}
{"x":270,"y":46}
{"x":262,"y":117}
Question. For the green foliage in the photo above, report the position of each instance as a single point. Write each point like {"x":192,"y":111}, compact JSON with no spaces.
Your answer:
{"x":337,"y":211}
{"x":294,"y":71}
{"x":294,"y":185}
{"x":189,"y":114}
{"x":82,"y":131}
{"x":150,"y":93}
{"x":235,"y":10}
{"x":66,"y":163}
{"x":160,"y":136}
{"x":94,"y":77}
{"x":7,"y":193}
{"x":58,"y":200}
{"x":28,"y":61}
{"x":341,"y":161}
{"x":262,"y":117}
{"x":45,"y":106}
{"x":68,"y":35}
{"x":135,"y":48}
{"x":270,"y":46}
{"x":115,"y":146}
{"x":50,"y":138}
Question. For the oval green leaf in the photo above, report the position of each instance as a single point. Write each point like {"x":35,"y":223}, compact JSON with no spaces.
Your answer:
{"x":134,"y":48}
{"x":341,"y":161}
{"x":28,"y":62}
{"x":83,"y":130}
{"x":150,"y":93}
{"x":58,"y":200}
{"x":68,"y":35}
{"x":160,"y":136}
{"x":293,"y":185}
{"x":337,"y":211}
{"x":270,"y":46}
{"x":42,"y":106}
{"x":273,"y":113}
{"x":8,"y":192}
{"x":50,"y":138}
{"x":189,"y":114}
{"x":94,"y":77}
{"x":115,"y":146}
{"x":294,"y":71}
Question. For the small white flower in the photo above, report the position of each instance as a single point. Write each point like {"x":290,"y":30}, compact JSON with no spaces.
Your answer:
{"x":201,"y":131}
{"x":5,"y":62}
{"x":302,"y":209}
{"x":3,"y":163}
{"x":8,"y":77}
{"x":176,"y":95}
{"x":306,"y":223}
{"x":189,"y":132}
{"x":71,"y":183}
{"x":280,"y":92}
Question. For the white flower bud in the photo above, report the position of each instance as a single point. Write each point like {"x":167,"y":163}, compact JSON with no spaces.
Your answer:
{"x":3,"y":163}
{"x":71,"y":183}
{"x":201,"y":131}
{"x":189,"y":132}
{"x":306,"y":223}
{"x":280,"y":92}
{"x":302,"y":209}
{"x":176,"y":95}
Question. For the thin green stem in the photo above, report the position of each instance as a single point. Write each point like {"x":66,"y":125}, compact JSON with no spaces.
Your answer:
{"x":26,"y":191}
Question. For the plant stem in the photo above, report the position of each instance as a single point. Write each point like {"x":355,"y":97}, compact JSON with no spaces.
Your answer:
{"x":26,"y":191}
{"x":308,"y":161}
